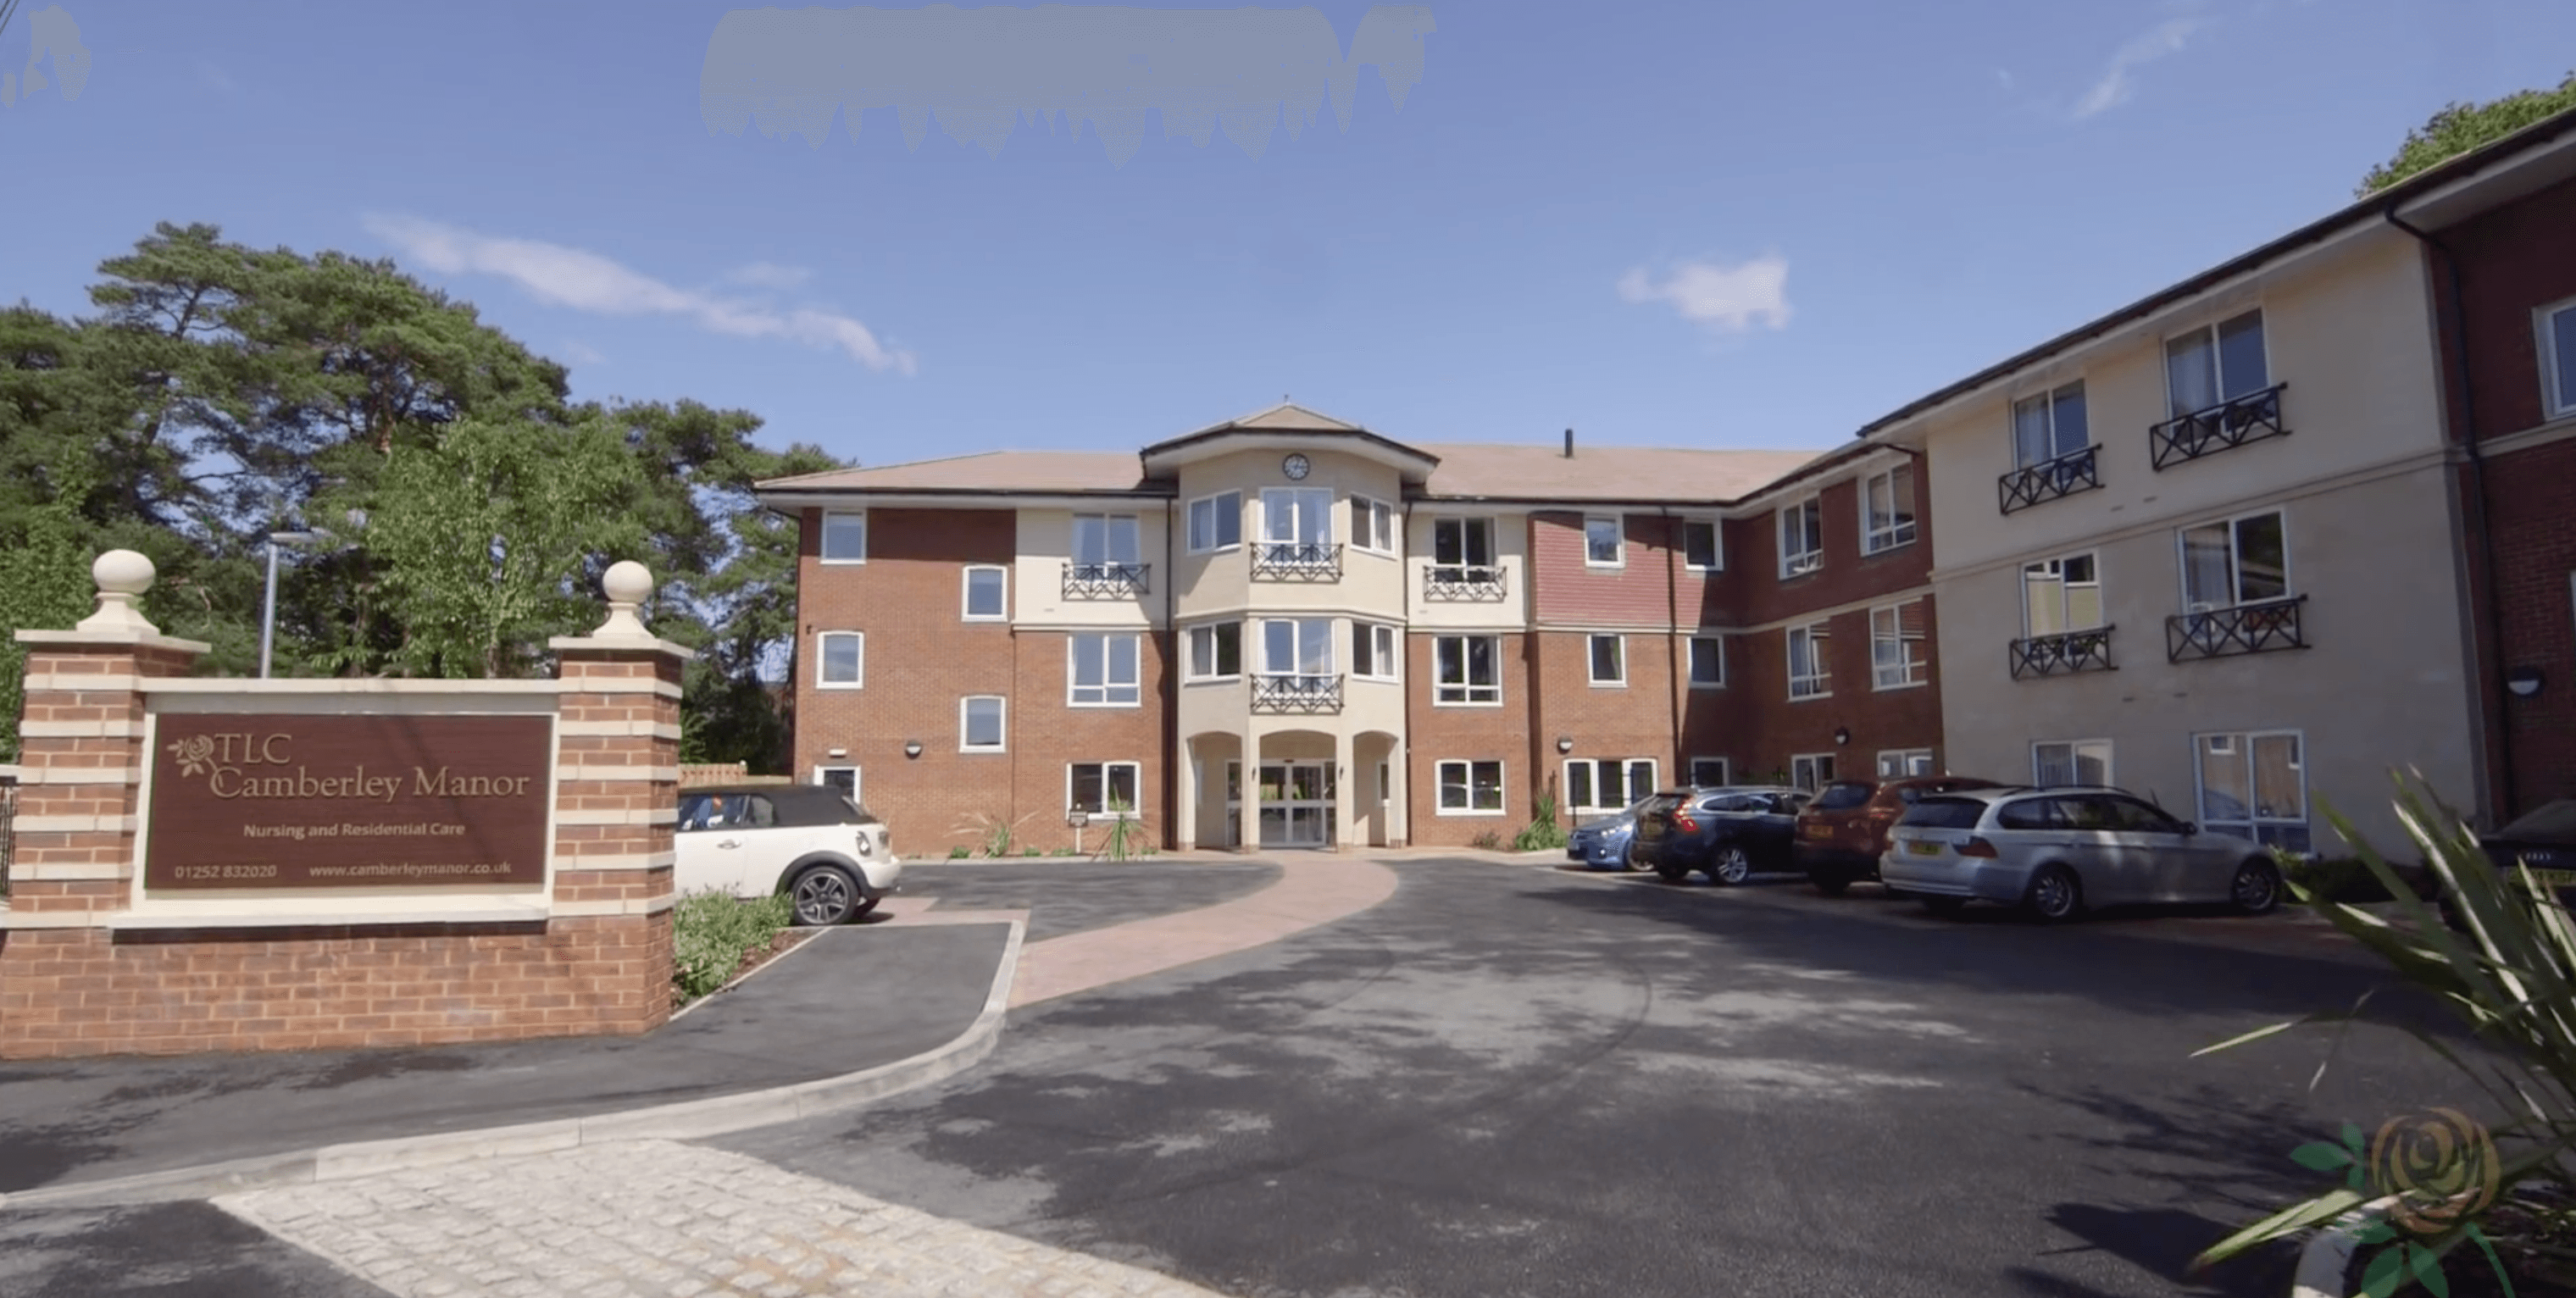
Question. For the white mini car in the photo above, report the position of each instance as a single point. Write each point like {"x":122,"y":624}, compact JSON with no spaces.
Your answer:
{"x":810,"y":841}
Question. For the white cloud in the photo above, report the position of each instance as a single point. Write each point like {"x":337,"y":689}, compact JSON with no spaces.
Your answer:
{"x":1732,"y":298}
{"x":582,"y":353}
{"x":762,"y":274}
{"x":584,"y":281}
{"x":2117,"y":85}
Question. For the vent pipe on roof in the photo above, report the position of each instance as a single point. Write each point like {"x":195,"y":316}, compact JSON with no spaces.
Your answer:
{"x":1569,"y":443}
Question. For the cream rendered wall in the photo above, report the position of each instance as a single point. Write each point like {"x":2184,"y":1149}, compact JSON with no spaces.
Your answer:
{"x":1511,"y":554}
{"x":1045,"y":547}
{"x":2352,"y":339}
{"x":1372,"y":585}
{"x":2367,"y":517}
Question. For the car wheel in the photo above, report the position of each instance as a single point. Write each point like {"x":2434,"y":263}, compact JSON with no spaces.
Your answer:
{"x":2256,"y":890}
{"x":1731,"y":867}
{"x":826,"y":895}
{"x":1945,"y":906}
{"x":1829,"y":882}
{"x":1633,"y":860}
{"x":2054,"y":895}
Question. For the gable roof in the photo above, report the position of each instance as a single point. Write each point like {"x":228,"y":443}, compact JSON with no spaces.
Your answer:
{"x":991,"y":473}
{"x":1543,"y":473}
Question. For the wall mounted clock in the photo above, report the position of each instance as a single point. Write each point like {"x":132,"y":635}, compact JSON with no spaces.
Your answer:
{"x":1295,"y":466}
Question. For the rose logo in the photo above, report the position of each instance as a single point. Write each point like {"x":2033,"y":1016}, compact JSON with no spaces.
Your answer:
{"x":2441,"y":1166}
{"x":196,"y":754}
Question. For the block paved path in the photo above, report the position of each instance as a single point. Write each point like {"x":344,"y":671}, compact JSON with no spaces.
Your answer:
{"x":1311,"y":890}
{"x":653,"y":1217}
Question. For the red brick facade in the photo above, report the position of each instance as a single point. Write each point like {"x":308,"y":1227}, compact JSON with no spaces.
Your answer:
{"x":922,"y":659}
{"x":2512,"y":261}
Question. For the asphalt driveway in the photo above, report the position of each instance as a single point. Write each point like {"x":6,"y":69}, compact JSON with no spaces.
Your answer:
{"x":1516,"y":1081}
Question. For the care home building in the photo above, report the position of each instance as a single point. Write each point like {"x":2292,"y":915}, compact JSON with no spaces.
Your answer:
{"x":2214,"y":547}
{"x":1289,"y":630}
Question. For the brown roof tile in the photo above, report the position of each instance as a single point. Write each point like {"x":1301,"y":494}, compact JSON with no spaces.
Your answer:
{"x":993,"y":471}
{"x":1543,"y":472}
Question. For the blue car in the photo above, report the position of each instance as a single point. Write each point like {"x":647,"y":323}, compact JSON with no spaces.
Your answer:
{"x":1603,"y":843}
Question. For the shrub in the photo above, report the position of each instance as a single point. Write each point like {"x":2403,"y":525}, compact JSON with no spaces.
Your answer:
{"x":994,"y":835}
{"x":1488,"y":841}
{"x":2512,"y":978}
{"x":711,"y":933}
{"x":1126,"y":834}
{"x":1543,"y":833}
{"x":960,"y":852}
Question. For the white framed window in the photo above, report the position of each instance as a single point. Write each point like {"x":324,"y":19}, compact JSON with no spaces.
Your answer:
{"x":840,"y":660}
{"x":1467,"y":669}
{"x":1608,"y":657}
{"x":1887,"y":510}
{"x":2216,"y":364}
{"x":2556,"y":324}
{"x":845,"y":536}
{"x":1102,"y":790}
{"x":1372,"y":525}
{"x":1604,"y":784}
{"x":2049,"y":425}
{"x":1707,"y":662}
{"x":987,"y":594}
{"x":2242,"y":560}
{"x":1710,"y":772}
{"x":1299,"y":646}
{"x":1462,"y":549}
{"x":1216,"y":651}
{"x":1899,"y":763}
{"x":1374,"y":651}
{"x":1471,"y":788}
{"x":2061,"y":595}
{"x":1703,"y":545}
{"x":1810,"y":674}
{"x":2070,"y":761}
{"x":1103,"y":670}
{"x":1216,"y":522}
{"x":844,"y":778}
{"x":1105,"y":543}
{"x":1811,"y":771}
{"x":2254,"y":784}
{"x":1896,"y":646}
{"x":1605,"y":541}
{"x":980,"y":723}
{"x":1297,"y":516}
{"x":1802,"y":537}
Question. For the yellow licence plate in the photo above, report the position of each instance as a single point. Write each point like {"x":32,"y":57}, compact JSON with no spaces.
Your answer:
{"x":1818,"y":831}
{"x":1923,"y":847}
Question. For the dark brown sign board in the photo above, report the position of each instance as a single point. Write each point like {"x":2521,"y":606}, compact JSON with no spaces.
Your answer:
{"x":304,"y":801}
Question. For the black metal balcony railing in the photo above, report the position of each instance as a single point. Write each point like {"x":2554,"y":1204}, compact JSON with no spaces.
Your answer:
{"x":1105,"y":580}
{"x":1289,"y":692}
{"x":2260,"y":627}
{"x":1296,"y":561}
{"x":1462,"y":583}
{"x":2249,"y":418}
{"x":2047,"y":480}
{"x":2067,"y":651}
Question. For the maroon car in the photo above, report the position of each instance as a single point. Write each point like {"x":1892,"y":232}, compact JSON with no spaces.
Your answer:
{"x":1842,"y":833}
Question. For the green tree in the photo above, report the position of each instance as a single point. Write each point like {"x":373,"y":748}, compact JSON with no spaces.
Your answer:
{"x":2461,"y":127}
{"x":493,"y":539}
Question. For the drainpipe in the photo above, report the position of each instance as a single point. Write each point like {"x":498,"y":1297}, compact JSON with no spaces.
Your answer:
{"x":1673,"y":629}
{"x":2455,"y":330}
{"x":1173,"y":666}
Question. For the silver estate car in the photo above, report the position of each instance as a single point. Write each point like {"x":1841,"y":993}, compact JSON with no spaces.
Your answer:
{"x":2055,"y":852}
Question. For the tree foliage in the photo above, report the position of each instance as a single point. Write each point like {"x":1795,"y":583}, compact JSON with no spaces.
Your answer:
{"x":2461,"y":127}
{"x":461,"y":505}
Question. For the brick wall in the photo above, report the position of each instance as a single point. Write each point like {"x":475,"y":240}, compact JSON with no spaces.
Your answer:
{"x":1771,"y":727}
{"x":2535,"y":550}
{"x":1645,"y":590}
{"x":1637,"y":720}
{"x":1438,"y":734}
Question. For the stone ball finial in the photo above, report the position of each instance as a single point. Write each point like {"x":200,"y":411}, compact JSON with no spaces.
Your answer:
{"x":627,"y":582}
{"x":122,"y":577}
{"x":123,"y":572}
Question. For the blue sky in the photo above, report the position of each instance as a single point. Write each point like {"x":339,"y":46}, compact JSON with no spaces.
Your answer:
{"x":1690,"y":224}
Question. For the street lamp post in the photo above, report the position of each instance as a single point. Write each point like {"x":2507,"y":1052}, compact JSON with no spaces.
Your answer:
{"x":268,"y":612}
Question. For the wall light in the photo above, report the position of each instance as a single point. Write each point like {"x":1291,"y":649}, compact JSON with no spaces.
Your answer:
{"x":912,"y":748}
{"x":1565,"y":743}
{"x":2523,"y":681}
{"x":1842,"y":734}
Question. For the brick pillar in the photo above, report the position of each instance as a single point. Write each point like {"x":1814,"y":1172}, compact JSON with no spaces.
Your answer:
{"x":81,"y":764}
{"x":617,"y":796}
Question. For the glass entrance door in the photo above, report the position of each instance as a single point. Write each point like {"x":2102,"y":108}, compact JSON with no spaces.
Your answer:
{"x":1296,"y":804}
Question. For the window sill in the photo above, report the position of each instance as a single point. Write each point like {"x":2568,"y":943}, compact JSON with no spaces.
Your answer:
{"x":1491,"y":703}
{"x":840,"y":685}
{"x":1899,"y":687}
{"x":1104,"y":707}
{"x":1702,"y":685}
{"x":1811,"y":698}
{"x":1609,"y":685}
{"x":1211,"y":680}
{"x":1473,"y":815}
{"x":840,"y":562}
{"x":981,"y":752}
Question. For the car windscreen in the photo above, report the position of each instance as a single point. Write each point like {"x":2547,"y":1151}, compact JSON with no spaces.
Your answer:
{"x":1944,"y":813}
{"x":2552,"y":823}
{"x":1843,"y":796}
